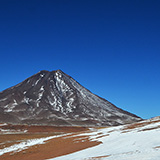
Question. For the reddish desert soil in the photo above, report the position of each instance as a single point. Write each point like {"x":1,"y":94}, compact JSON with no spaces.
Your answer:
{"x":52,"y":148}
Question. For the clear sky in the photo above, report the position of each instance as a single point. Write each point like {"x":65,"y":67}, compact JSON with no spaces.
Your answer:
{"x":111,"y":47}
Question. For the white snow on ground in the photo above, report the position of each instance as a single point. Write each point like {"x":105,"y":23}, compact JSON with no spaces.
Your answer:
{"x":3,"y":124}
{"x":26,"y":144}
{"x":12,"y":131}
{"x":120,"y":144}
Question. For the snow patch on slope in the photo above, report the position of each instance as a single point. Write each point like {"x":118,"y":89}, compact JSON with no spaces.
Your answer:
{"x":9,"y":108}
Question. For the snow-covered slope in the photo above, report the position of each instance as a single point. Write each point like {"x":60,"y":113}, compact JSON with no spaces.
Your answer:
{"x":138,"y":141}
{"x":54,"y":98}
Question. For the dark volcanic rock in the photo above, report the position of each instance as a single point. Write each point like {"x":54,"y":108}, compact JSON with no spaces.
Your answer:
{"x":54,"y":98}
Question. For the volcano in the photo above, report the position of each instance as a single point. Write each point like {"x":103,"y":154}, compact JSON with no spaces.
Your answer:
{"x":55,"y":98}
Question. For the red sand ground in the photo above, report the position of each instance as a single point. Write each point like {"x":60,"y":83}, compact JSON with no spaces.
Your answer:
{"x":52,"y":148}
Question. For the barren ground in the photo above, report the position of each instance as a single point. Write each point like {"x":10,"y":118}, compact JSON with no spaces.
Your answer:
{"x":13,"y":134}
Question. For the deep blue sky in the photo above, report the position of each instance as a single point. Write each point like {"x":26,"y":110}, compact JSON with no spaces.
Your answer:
{"x":111,"y":47}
